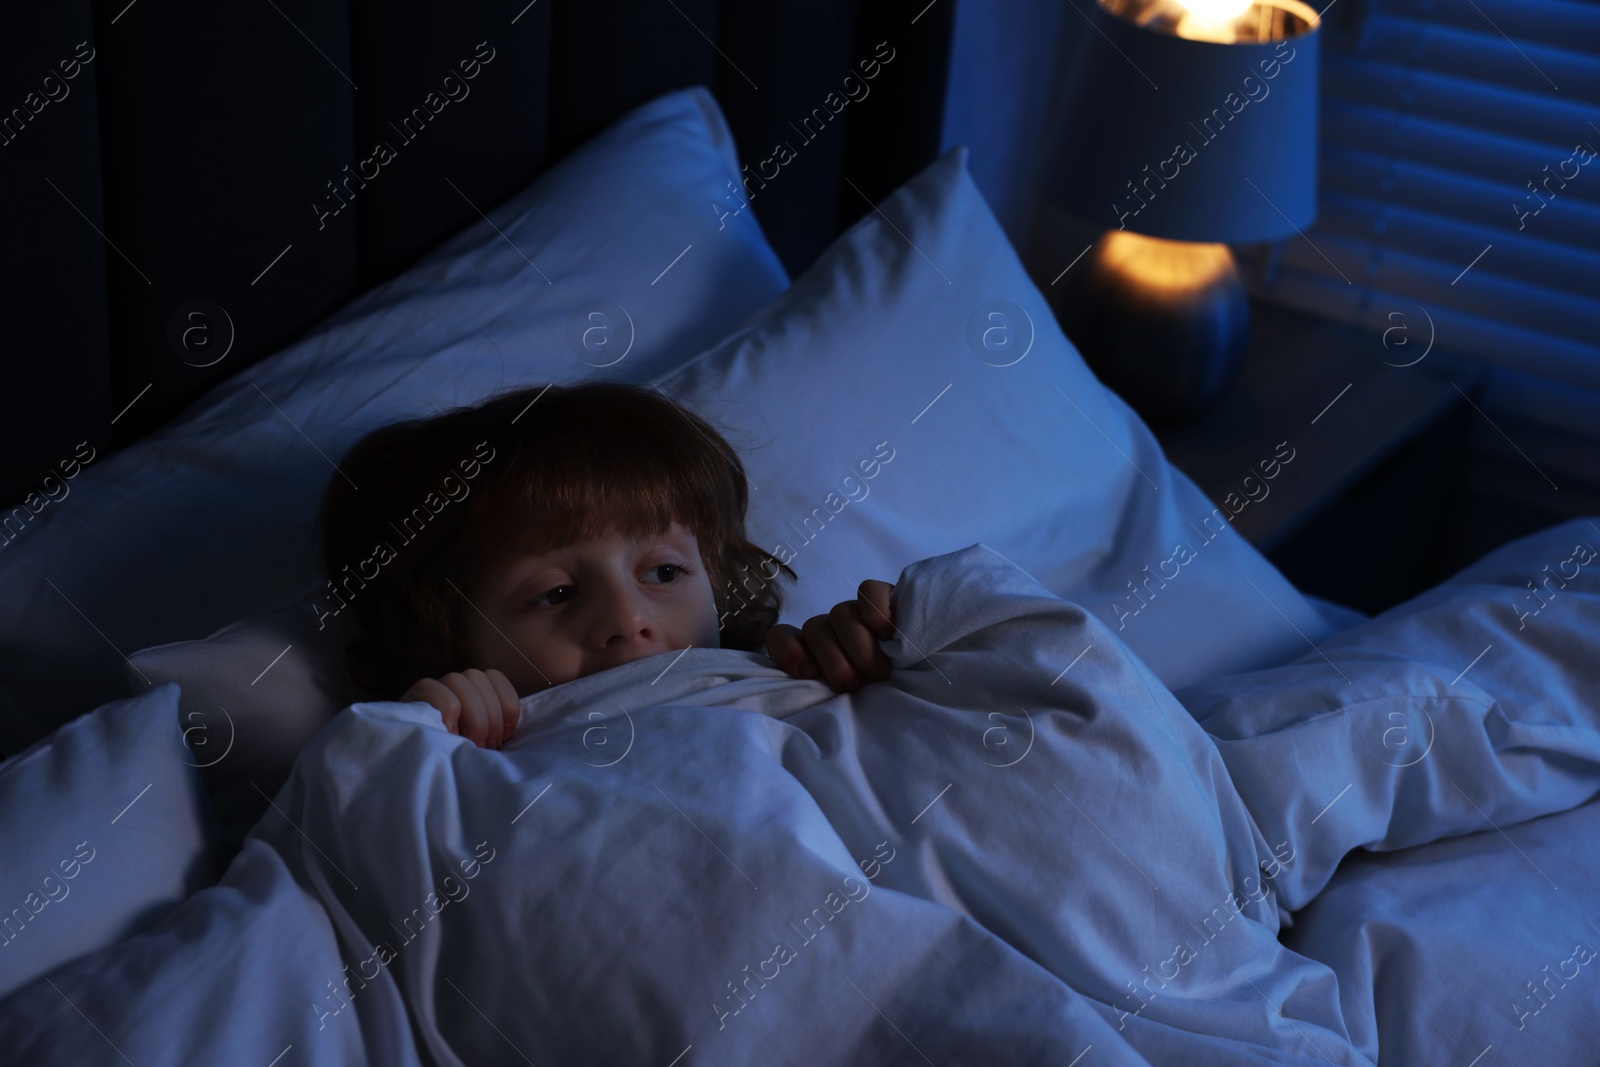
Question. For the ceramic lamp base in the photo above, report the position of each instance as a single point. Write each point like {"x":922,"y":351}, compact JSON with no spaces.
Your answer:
{"x":1163,"y":323}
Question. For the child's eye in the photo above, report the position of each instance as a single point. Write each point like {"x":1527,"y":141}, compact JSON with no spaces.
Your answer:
{"x":560,"y":594}
{"x":547,"y":594}
{"x":676,"y":569}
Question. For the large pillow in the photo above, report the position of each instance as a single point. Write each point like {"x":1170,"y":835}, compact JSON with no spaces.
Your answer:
{"x":911,"y":394}
{"x":253,"y":694}
{"x":104,"y":828}
{"x":614,"y":263}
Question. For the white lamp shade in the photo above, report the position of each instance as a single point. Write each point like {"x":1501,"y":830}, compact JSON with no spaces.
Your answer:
{"x":1189,"y":140}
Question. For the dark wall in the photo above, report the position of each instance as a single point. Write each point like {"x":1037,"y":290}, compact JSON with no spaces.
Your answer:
{"x":56,"y":361}
{"x":210,"y":185}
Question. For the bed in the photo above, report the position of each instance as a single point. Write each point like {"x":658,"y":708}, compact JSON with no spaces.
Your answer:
{"x":1129,"y":796}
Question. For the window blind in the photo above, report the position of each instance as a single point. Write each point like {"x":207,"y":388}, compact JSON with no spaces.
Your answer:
{"x":1458,"y":175}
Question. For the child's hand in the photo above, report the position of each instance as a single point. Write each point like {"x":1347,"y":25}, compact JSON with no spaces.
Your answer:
{"x":481,"y":706}
{"x":841,"y":646}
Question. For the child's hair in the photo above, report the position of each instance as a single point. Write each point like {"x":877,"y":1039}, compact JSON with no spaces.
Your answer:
{"x":418,"y":505}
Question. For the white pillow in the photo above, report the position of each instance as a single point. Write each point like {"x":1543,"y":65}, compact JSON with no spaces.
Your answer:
{"x":212,"y":518}
{"x":253,"y":694}
{"x":911,"y":394}
{"x":104,"y":828}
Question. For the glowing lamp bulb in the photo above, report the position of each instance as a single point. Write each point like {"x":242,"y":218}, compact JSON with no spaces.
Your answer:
{"x":1216,"y":10}
{"x":1210,"y":20}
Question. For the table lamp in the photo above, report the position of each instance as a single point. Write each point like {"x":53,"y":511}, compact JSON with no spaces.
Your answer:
{"x":1184,"y":125}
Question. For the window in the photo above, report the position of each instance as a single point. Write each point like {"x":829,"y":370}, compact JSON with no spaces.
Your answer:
{"x":1458,"y":178}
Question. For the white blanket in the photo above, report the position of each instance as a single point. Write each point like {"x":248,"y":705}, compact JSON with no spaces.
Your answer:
{"x":1019,"y":847}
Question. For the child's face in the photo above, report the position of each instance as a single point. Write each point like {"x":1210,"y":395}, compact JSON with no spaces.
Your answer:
{"x":589,"y":606}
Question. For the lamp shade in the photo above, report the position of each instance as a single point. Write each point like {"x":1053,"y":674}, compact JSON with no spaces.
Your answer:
{"x":1190,"y":140}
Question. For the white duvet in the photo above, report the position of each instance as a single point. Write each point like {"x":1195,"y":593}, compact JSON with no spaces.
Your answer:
{"x":1019,"y":849}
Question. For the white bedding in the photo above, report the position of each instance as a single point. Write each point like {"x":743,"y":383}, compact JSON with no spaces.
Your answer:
{"x":1471,"y":711}
{"x":1019,"y":847}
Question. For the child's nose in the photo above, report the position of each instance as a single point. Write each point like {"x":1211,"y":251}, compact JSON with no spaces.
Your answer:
{"x":624,"y":618}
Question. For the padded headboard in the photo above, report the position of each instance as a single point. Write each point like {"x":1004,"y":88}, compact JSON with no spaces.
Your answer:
{"x":164,"y":157}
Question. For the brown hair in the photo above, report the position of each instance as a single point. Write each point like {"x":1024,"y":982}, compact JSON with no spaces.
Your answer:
{"x":426,"y":502}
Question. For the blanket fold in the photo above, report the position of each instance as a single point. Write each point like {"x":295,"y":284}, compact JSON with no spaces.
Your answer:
{"x":1019,"y":847}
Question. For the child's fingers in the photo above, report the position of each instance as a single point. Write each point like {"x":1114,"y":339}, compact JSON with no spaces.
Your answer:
{"x":857,"y":641}
{"x":439,"y":695}
{"x":877,"y":609}
{"x":823,"y":644}
{"x":474,"y":722}
{"x":489,"y":698}
{"x":510,"y":705}
{"x":449,"y":706}
{"x":789,"y":652}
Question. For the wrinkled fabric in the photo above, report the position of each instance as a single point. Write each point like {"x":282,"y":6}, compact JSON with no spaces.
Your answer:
{"x":1461,"y":714}
{"x":1019,"y":848}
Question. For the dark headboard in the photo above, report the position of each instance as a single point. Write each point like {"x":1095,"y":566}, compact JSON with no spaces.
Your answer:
{"x":161,"y":157}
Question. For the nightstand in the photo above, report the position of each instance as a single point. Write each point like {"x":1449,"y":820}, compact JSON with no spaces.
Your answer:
{"x":1359,"y":512}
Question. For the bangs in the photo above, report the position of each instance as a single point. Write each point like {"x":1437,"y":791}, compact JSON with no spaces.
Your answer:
{"x":572,"y":480}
